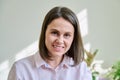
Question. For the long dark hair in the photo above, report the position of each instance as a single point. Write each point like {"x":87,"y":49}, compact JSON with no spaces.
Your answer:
{"x":76,"y":50}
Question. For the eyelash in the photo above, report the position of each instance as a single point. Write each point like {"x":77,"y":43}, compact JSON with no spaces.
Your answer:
{"x":65,"y":35}
{"x":54,"y":32}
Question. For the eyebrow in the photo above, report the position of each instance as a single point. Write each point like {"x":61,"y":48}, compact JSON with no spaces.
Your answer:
{"x":59,"y":31}
{"x":54,"y":30}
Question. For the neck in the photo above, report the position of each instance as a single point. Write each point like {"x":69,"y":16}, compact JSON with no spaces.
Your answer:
{"x":55,"y":62}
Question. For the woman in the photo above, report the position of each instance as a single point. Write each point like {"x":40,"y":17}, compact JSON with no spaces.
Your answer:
{"x":61,"y":52}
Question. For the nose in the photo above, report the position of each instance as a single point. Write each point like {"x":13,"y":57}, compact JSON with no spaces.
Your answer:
{"x":60,"y":40}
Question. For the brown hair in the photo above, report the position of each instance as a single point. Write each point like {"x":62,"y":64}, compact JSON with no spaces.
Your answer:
{"x":76,"y":50}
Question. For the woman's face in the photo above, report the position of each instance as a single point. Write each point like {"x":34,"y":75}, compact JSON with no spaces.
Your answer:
{"x":59,"y":37}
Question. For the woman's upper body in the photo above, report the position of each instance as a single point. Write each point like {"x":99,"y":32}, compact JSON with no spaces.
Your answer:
{"x":35,"y":68}
{"x":61,"y":51}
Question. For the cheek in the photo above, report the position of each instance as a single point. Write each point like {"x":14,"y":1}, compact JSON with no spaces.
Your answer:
{"x":69,"y":43}
{"x":48,"y":39}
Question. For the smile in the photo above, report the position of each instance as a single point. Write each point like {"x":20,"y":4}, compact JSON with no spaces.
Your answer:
{"x":58,"y":48}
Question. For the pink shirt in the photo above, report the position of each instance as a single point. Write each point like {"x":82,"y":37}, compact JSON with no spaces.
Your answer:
{"x":35,"y":68}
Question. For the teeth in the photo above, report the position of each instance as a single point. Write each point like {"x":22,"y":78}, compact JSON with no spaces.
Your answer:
{"x":55,"y":46}
{"x":58,"y":46}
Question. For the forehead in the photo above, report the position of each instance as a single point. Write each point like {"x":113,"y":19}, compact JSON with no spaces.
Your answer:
{"x":61,"y":24}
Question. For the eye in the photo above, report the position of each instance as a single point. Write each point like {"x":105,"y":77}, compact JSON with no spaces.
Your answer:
{"x":67,"y":35}
{"x":54,"y":33}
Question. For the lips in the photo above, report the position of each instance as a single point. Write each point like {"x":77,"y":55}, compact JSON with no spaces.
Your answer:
{"x":58,"y":48}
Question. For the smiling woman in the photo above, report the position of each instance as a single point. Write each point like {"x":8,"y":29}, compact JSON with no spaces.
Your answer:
{"x":59,"y":37}
{"x":60,"y":54}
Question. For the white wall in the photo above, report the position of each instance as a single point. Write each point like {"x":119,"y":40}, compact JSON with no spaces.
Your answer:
{"x":20,"y":24}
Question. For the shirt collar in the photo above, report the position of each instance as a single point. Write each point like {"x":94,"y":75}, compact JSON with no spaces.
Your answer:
{"x":66,"y":63}
{"x":38,"y":60}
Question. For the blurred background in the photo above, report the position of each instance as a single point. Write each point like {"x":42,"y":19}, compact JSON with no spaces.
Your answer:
{"x":21,"y":20}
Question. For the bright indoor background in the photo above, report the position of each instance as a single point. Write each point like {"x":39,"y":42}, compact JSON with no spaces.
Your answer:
{"x":21,"y":20}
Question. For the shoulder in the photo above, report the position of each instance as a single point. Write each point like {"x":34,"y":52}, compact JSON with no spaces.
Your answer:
{"x":24,"y":62}
{"x":85,"y":71}
{"x":83,"y":64}
{"x":69,"y":61}
{"x":21,"y":67}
